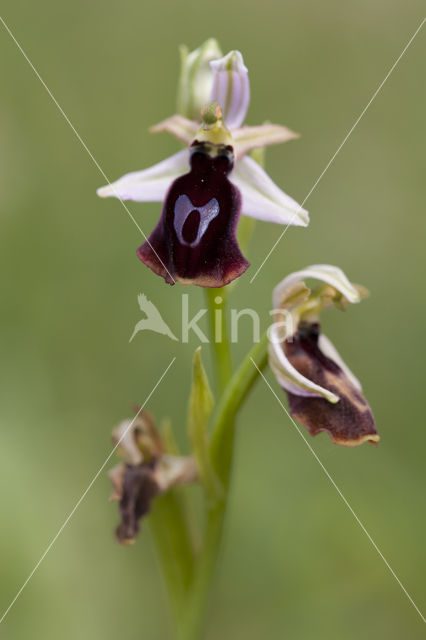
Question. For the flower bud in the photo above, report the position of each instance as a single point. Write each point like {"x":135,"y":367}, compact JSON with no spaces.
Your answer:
{"x":196,"y":78}
{"x":231,"y":88}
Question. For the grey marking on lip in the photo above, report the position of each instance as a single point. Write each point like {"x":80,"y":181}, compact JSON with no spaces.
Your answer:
{"x":183,"y":207}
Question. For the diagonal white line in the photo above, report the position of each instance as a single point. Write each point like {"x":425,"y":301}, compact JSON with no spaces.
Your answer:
{"x":341,"y":495}
{"x":84,"y":145}
{"x":333,"y":157}
{"x":84,"y":494}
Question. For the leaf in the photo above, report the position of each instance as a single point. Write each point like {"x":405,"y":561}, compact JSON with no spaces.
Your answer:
{"x":201,"y":403}
{"x":168,"y":438}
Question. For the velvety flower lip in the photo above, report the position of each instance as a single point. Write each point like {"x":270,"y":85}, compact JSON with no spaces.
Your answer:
{"x":323,"y":394}
{"x":254,"y":193}
{"x":350,"y":421}
{"x":195,"y":238}
{"x":146,"y":472}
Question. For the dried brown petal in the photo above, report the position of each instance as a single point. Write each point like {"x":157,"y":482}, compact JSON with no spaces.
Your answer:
{"x":175,"y":470}
{"x":147,"y":436}
{"x":138,"y":440}
{"x":138,"y":489}
{"x":116,"y":476}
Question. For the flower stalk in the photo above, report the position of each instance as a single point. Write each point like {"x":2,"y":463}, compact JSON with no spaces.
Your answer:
{"x":170,"y":530}
{"x":217,"y":305}
{"x":221,"y":455}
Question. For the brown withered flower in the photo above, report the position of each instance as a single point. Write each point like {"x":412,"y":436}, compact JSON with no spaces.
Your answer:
{"x":147,"y":471}
{"x":323,"y":393}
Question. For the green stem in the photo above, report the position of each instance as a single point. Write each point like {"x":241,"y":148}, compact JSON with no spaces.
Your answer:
{"x":174,"y":547}
{"x":216,"y":300}
{"x":236,"y":392}
{"x":245,"y":232}
{"x":221,"y":450}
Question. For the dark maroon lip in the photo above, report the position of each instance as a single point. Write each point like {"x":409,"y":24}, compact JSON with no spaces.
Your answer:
{"x":195,"y":239}
{"x":349,"y":421}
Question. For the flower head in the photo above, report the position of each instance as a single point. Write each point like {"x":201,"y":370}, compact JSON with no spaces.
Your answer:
{"x":207,"y":186}
{"x":146,"y":472}
{"x":323,"y":394}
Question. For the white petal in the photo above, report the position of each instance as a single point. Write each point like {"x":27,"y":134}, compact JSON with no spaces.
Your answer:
{"x":149,"y":185}
{"x":262,"y":198}
{"x":325,"y":272}
{"x":248,"y":138}
{"x":231,"y":88}
{"x":180,"y":127}
{"x":327,"y":347}
{"x":289,"y":378}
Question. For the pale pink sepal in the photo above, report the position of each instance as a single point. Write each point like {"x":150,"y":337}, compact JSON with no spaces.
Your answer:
{"x":265,"y":135}
{"x":179,"y":127}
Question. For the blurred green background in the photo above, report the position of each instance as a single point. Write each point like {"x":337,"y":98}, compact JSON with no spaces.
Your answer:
{"x":295,"y":563}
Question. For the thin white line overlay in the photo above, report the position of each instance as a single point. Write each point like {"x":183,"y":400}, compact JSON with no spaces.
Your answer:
{"x":84,"y":494}
{"x":333,"y":157}
{"x":341,"y":495}
{"x":84,"y":145}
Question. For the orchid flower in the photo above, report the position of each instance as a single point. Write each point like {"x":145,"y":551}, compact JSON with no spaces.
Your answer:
{"x":323,"y":394}
{"x":146,"y":472}
{"x":206,"y":187}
